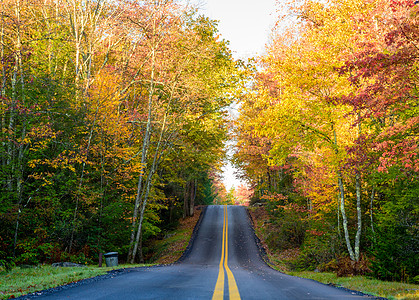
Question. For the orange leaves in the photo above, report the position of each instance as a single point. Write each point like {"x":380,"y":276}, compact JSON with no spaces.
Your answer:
{"x":67,"y":159}
{"x":290,"y":106}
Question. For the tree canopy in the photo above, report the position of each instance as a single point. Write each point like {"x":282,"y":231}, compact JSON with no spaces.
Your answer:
{"x":330,"y":131}
{"x":113,"y":123}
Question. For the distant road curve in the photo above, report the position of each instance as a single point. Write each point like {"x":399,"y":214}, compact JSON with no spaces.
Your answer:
{"x":224,"y":262}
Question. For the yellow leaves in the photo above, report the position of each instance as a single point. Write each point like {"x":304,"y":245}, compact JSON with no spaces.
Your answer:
{"x":65,"y":160}
{"x":293,"y":108}
{"x":33,"y":163}
{"x":42,"y":177}
{"x":305,"y":69}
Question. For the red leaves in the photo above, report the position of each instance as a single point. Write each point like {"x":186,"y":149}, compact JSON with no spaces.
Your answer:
{"x":385,"y":79}
{"x":315,"y":232}
{"x":396,"y":5}
{"x":399,"y":146}
{"x":361,"y":155}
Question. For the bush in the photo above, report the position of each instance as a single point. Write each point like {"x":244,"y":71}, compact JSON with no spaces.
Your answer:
{"x":396,"y":256}
{"x":348,"y":267}
{"x":6,"y":262}
{"x":318,"y":251}
{"x":287,"y":222}
{"x":33,"y":252}
{"x":287,"y":231}
{"x":395,"y":245}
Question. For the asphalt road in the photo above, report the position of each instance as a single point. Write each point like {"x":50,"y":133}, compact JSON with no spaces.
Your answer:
{"x":224,"y":262}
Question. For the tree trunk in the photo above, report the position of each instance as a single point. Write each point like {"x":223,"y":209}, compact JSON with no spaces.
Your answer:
{"x":21,"y":148}
{"x":143,"y":188}
{"x":140,"y":253}
{"x":193,"y":196}
{"x":156,"y":161}
{"x":11,"y":148}
{"x":186,"y":196}
{"x":144,"y":151}
{"x":189,"y":196}
{"x":140,"y":222}
{"x":344,"y":218}
{"x":342,"y":205}
{"x":3,"y":68}
{"x":3,"y":91}
{"x":371,"y":211}
{"x":16,"y":231}
{"x":359,"y":215}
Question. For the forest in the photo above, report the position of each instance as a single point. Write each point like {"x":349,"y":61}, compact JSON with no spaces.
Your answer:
{"x":113,"y":123}
{"x":328,"y":136}
{"x":114,"y":120}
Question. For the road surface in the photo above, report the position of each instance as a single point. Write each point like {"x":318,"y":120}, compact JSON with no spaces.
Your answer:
{"x":224,"y":262}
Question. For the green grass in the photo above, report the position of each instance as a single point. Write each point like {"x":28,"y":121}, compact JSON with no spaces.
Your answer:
{"x":171,"y":248}
{"x":280,"y":261}
{"x":18,"y":281}
{"x":391,"y":290}
{"x":168,"y":249}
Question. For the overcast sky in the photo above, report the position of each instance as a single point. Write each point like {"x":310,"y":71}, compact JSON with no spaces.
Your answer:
{"x":247,"y":25}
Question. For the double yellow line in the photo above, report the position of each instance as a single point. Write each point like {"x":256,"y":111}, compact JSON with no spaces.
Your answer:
{"x":232,"y":286}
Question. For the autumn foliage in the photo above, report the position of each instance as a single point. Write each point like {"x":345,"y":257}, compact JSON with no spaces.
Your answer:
{"x":331,"y":124}
{"x":113,"y":122}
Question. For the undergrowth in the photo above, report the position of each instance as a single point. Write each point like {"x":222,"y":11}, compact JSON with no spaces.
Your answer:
{"x":287,"y":260}
{"x":21,"y":281}
{"x":170,"y":249}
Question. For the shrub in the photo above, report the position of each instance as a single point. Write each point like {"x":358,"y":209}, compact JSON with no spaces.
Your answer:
{"x":317,"y":252}
{"x":348,"y":267}
{"x":33,"y":252}
{"x":287,"y":222}
{"x":395,"y":255}
{"x":6,"y":261}
{"x":287,"y":230}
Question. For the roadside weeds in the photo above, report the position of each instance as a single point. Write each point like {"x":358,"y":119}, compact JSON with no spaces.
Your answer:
{"x":22,"y":281}
{"x":278,"y":260}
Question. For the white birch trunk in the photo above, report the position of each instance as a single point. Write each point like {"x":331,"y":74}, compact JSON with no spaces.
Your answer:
{"x":359,"y":215}
{"x":342,"y":206}
{"x":146,"y":140}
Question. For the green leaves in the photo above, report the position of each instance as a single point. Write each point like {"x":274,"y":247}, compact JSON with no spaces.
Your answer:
{"x":76,"y":80}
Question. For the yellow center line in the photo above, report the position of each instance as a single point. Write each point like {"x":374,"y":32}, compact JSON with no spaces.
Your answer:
{"x":219,"y":286}
{"x":233,"y":291}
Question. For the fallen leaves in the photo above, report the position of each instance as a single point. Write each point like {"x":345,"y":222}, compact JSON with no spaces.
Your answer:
{"x":179,"y":240}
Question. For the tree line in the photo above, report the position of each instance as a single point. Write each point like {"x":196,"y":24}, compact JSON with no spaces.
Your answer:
{"x":328,"y":135}
{"x":113,"y":123}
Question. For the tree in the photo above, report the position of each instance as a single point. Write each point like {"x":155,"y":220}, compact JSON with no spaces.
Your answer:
{"x":297,"y":116}
{"x":98,"y":99}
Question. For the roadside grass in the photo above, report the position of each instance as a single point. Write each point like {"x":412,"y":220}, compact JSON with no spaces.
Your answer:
{"x":21,"y":281}
{"x":386,"y":289}
{"x":281,"y":261}
{"x":171,"y":248}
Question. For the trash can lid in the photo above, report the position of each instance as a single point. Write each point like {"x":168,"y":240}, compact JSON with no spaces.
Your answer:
{"x":111,"y":253}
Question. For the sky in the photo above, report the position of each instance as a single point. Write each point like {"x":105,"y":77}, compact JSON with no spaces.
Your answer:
{"x":247,"y":25}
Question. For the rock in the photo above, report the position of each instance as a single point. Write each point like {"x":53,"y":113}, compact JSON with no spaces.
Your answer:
{"x":66,"y":264}
{"x":169,"y":235}
{"x":26,"y":266}
{"x":317,"y":270}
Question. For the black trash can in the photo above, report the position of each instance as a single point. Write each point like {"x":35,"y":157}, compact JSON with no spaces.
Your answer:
{"x":111,"y":259}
